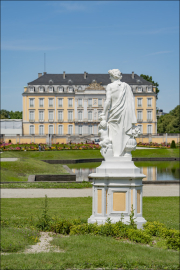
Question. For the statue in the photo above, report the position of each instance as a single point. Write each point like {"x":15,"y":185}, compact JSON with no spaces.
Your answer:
{"x":117,"y":127}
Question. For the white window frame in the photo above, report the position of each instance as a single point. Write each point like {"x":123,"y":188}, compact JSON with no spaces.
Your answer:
{"x":60,"y":104}
{"x":99,"y":102}
{"x":41,"y":99}
{"x":51,"y":99}
{"x":70,"y":113}
{"x":41,"y":89}
{"x":60,"y":126}
{"x":49,"y":129}
{"x":149,"y":89}
{"x":139,"y":89}
{"x":60,"y":89}
{"x":149,"y":102}
{"x":70,"y":129}
{"x":89,"y":102}
{"x":139,"y":113}
{"x":149,"y":115}
{"x":31,"y":113}
{"x":41,"y":127}
{"x":149,"y":126}
{"x":141,"y":128}
{"x":80,"y":102}
{"x":51,"y":89}
{"x":51,"y":113}
{"x":31,"y":89}
{"x":80,"y":129}
{"x":79,"y":88}
{"x":139,"y":102}
{"x":60,"y":113}
{"x":31,"y":100}
{"x":41,"y":113}
{"x":70,"y":89}
{"x":90,"y":129}
{"x":90,"y":115}
{"x":30,"y":129}
{"x":80,"y":115}
{"x":70,"y":102}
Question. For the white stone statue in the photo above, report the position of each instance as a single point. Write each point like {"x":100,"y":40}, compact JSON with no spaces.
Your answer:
{"x":117,"y":127}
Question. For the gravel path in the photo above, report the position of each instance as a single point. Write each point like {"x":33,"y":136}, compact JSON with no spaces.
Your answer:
{"x":150,"y":190}
{"x":8,"y":159}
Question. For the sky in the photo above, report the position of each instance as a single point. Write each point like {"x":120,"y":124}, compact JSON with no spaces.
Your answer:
{"x":91,"y":36}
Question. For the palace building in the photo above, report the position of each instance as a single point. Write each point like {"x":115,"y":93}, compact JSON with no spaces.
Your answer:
{"x":67,"y":106}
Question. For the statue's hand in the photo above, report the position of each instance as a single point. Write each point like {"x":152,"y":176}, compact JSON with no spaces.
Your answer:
{"x":103,"y":124}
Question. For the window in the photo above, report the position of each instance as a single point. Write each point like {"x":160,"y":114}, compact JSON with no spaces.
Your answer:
{"x":60,"y":89}
{"x":31,"y":115}
{"x":70,"y":115}
{"x":60,"y":115}
{"x":80,"y":115}
{"x":149,"y":89}
{"x":50,"y":89}
{"x":99,"y":112}
{"x":139,"y":102}
{"x":31,"y":89}
{"x":149,"y":115}
{"x":51,"y":129}
{"x":70,"y":89}
{"x":139,"y":115}
{"x":149,"y":102}
{"x":31,"y":102}
{"x":41,"y":102}
{"x":80,"y":130}
{"x":149,"y":129}
{"x":60,"y":102}
{"x":41,"y":89}
{"x":90,"y":115}
{"x":70,"y":102}
{"x":51,"y":115}
{"x":70,"y":129}
{"x":80,"y":102}
{"x":50,"y":102}
{"x":79,"y":88}
{"x":89,"y":129}
{"x":41,"y":130}
{"x":99,"y":102}
{"x":139,"y":89}
{"x":31,"y":130}
{"x":90,"y":102}
{"x":60,"y":129}
{"x":141,"y":128}
{"x":41,"y":115}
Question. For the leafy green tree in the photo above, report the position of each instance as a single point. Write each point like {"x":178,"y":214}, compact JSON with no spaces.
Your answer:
{"x":170,"y":122}
{"x":4,"y":114}
{"x":149,"y":79}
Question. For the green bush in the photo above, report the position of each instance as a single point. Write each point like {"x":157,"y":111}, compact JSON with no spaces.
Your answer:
{"x":173,"y":144}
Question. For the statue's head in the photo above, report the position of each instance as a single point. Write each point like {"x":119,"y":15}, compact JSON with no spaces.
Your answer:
{"x":115,"y":73}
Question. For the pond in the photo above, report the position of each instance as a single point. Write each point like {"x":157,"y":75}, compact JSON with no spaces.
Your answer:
{"x":154,"y":171}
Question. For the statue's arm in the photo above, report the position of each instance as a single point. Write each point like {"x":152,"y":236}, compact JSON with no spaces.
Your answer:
{"x":108,"y":99}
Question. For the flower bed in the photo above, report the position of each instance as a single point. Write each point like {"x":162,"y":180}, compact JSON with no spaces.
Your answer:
{"x":156,"y":145}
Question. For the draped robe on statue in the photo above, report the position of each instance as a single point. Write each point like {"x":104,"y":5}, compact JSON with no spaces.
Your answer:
{"x":121,"y":116}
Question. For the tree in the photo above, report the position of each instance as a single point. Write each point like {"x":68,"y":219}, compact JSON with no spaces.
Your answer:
{"x":170,"y":122}
{"x":4,"y":114}
{"x":149,"y":79}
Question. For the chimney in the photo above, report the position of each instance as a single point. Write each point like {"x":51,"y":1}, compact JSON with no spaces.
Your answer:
{"x":39,"y":75}
{"x":64,"y":74}
{"x":133,"y":75}
{"x":44,"y":72}
{"x":85,"y":75}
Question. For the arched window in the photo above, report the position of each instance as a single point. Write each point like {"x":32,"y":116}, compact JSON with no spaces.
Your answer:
{"x":60,"y":129}
{"x":70,"y":129}
{"x":31,"y":129}
{"x":41,"y":129}
{"x":51,"y":129}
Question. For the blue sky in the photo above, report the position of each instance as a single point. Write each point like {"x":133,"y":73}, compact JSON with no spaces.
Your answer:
{"x":78,"y":36}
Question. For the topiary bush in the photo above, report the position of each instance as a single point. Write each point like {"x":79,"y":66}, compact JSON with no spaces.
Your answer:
{"x":173,"y":144}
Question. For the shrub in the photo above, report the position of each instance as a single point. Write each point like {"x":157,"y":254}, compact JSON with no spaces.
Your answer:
{"x":173,"y":144}
{"x":9,"y":141}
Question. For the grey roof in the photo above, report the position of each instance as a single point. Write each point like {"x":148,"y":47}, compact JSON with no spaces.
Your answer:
{"x":78,"y":79}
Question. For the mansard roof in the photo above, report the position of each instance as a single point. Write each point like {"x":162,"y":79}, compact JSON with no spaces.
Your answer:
{"x":78,"y":79}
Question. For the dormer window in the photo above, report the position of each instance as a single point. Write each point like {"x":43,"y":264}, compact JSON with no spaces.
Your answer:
{"x":139,"y":89}
{"x":31,"y":89}
{"x":50,"y":89}
{"x":60,"y":89}
{"x":149,"y":89}
{"x":41,"y":89}
{"x":70,"y":89}
{"x":79,"y":88}
{"x":50,"y":81}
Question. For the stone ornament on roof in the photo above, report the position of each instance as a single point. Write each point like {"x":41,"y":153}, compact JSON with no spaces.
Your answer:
{"x":95,"y":85}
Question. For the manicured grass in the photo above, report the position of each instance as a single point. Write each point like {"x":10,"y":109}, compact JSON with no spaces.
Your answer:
{"x":85,"y":252}
{"x":15,"y":239}
{"x":82,"y":154}
{"x":47,"y":185}
{"x":20,"y":211}
{"x":21,"y":169}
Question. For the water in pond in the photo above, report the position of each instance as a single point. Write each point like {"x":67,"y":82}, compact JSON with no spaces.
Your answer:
{"x":154,"y":171}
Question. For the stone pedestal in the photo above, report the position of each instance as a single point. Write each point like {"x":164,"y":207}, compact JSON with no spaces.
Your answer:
{"x":117,"y":185}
